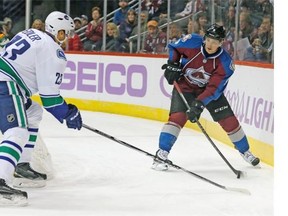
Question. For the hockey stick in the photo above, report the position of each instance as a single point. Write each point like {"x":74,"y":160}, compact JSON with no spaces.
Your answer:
{"x":240,"y":190}
{"x":238,"y":173}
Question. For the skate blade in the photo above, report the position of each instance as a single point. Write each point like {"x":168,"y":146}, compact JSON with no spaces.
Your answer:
{"x":13,"y":200}
{"x":28,"y":183}
{"x":159,"y":167}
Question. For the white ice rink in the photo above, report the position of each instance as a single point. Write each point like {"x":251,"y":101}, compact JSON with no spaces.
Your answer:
{"x":97,"y":176}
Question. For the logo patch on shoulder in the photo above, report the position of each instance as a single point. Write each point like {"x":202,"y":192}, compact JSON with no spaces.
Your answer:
{"x":60,"y":54}
{"x":232,"y":66}
{"x":10,"y":118}
{"x":186,"y":37}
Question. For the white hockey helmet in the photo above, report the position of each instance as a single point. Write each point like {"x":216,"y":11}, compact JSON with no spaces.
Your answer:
{"x":57,"y":21}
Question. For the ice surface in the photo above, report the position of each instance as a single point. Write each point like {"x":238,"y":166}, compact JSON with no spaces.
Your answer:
{"x":97,"y":176}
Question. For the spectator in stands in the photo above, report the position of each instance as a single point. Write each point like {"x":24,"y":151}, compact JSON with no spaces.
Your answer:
{"x":186,"y":11}
{"x":244,"y":7}
{"x":266,"y":35}
{"x":3,"y":38}
{"x":78,"y":23}
{"x":160,"y":13}
{"x":231,"y":3}
{"x":177,"y":7}
{"x":229,"y":21}
{"x":94,"y":30}
{"x":38,"y":24}
{"x":111,"y":38}
{"x":227,"y":43}
{"x":84,"y":20}
{"x":191,"y":26}
{"x":175,"y":32}
{"x":120,"y":15}
{"x":74,"y":41}
{"x":155,"y":8}
{"x":264,"y":7}
{"x":156,"y":40}
{"x":125,"y":31}
{"x":192,"y":7}
{"x":7,"y":27}
{"x":201,"y":23}
{"x":143,"y":28}
{"x":143,"y":23}
{"x":254,"y":52}
{"x":246,"y":29}
{"x":261,"y":47}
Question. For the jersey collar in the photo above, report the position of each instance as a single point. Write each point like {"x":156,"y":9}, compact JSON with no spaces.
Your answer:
{"x":211,"y":56}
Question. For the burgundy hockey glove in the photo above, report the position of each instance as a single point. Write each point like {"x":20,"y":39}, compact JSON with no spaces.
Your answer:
{"x":195,"y":110}
{"x":172,"y":71}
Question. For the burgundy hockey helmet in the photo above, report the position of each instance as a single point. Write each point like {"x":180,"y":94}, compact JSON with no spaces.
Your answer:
{"x":215,"y":31}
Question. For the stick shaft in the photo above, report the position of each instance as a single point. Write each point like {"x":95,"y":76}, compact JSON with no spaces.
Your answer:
{"x":153,"y":156}
{"x":237,"y":172}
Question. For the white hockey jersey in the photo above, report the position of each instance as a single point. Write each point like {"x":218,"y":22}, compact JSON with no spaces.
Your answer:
{"x":36,"y":63}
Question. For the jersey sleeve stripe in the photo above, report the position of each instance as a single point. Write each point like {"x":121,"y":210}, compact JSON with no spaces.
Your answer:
{"x":51,"y":101}
{"x":9,"y":71}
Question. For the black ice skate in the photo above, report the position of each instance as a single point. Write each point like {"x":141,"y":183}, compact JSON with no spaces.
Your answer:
{"x":25,"y":176}
{"x":12,"y":197}
{"x":250,"y":158}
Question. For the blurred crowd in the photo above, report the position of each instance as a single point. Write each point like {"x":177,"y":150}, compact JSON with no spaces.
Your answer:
{"x":249,"y":37}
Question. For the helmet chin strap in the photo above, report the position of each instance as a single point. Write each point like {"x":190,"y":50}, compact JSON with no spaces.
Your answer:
{"x":60,"y":42}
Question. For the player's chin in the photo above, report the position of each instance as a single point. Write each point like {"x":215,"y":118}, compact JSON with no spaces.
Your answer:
{"x":210,"y":51}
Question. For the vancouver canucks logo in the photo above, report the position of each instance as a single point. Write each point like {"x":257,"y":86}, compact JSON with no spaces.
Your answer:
{"x":60,"y":54}
{"x":197,"y":76}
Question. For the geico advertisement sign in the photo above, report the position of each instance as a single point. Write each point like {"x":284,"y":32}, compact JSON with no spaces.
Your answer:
{"x":117,"y":79}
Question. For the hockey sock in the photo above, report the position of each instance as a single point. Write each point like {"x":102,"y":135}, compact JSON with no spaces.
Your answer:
{"x":168,"y":136}
{"x":10,"y":151}
{"x":29,"y":147}
{"x":239,"y":139}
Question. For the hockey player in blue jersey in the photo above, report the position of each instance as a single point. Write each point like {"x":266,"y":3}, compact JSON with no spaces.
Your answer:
{"x":32,"y":62}
{"x":202,"y":69}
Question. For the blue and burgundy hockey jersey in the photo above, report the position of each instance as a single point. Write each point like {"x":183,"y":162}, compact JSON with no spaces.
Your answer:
{"x":205,"y":75}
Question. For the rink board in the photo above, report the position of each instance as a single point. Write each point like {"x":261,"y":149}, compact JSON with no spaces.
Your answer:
{"x":135,"y":86}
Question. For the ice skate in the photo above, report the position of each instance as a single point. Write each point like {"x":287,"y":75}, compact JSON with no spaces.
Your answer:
{"x":161,"y":165}
{"x":250,"y":158}
{"x":26,"y":177}
{"x":10,"y":196}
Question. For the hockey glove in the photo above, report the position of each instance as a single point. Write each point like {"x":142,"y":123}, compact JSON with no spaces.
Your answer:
{"x":195,"y":111}
{"x":172,"y":71}
{"x":73,"y":117}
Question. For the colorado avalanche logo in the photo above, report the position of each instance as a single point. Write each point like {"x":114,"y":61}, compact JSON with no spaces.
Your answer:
{"x":60,"y":54}
{"x":197,"y":76}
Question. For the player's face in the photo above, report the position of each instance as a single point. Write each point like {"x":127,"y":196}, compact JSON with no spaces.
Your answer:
{"x":61,"y":36}
{"x":211,"y":45}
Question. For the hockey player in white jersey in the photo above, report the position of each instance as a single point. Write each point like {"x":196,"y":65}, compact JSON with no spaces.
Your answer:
{"x":39,"y":157}
{"x":32,"y":62}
